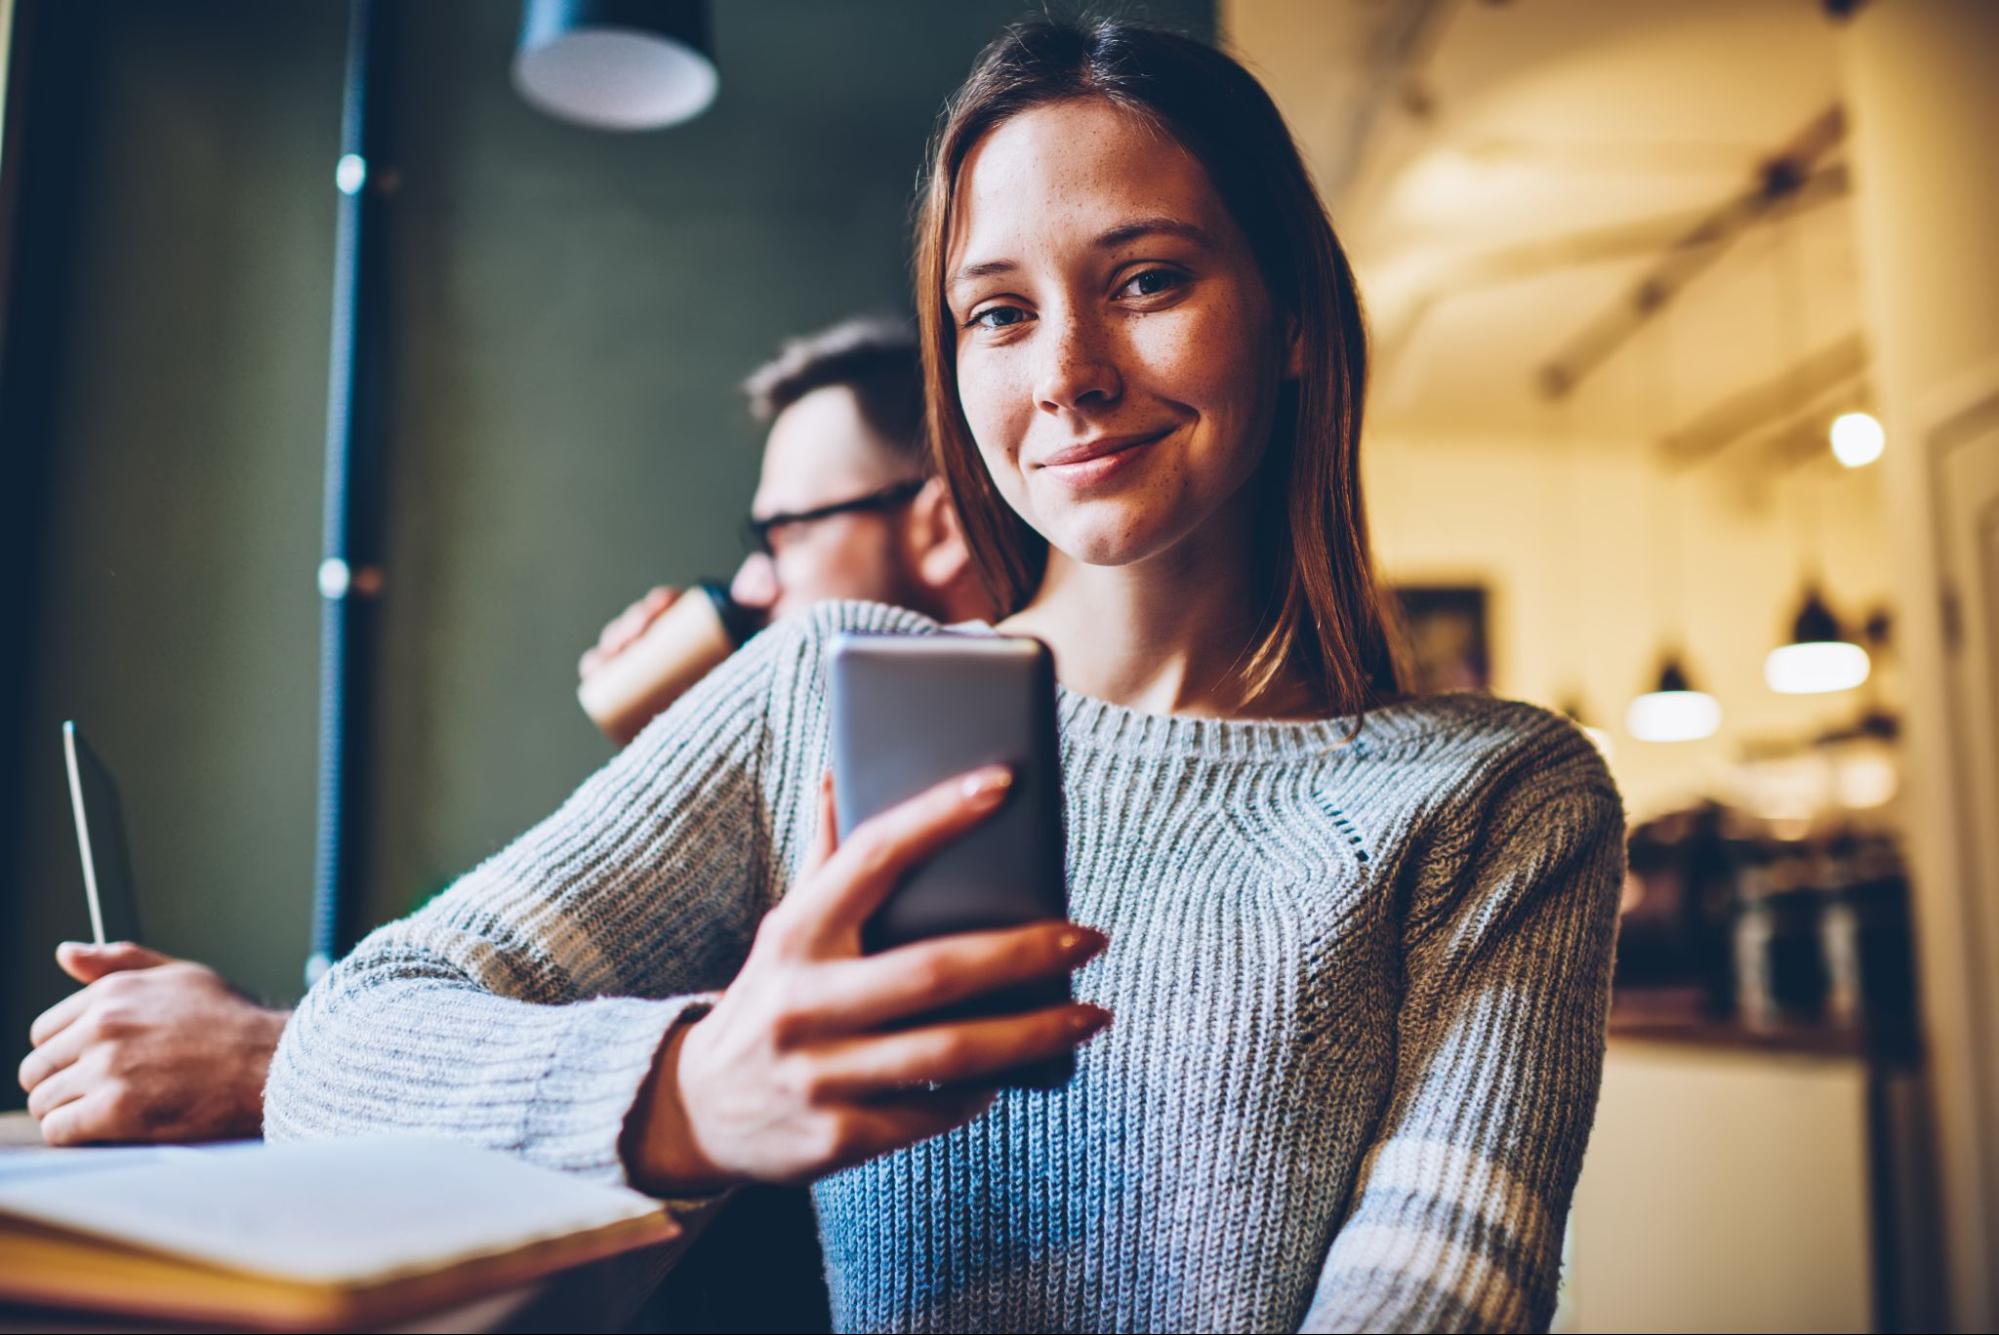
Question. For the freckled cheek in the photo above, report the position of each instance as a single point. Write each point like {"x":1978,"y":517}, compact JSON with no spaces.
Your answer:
{"x":999,"y":406}
{"x":999,"y":429}
{"x":1159,"y":349}
{"x":1195,"y":357}
{"x":1206,"y":360}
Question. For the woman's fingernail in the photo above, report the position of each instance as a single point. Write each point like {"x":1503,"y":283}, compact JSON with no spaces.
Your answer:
{"x":1081,"y":942}
{"x":1089,"y":1020}
{"x":989,"y":782}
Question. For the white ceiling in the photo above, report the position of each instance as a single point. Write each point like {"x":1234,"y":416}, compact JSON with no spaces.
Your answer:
{"x":1505,"y":174}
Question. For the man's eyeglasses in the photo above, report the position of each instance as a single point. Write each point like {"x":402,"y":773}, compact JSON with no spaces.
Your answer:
{"x":757,"y":531}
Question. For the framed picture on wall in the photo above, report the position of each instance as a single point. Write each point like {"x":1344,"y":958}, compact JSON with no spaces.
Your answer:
{"x":1449,"y":639}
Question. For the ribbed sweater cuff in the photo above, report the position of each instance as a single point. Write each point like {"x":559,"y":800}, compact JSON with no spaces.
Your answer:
{"x":594,"y":1070}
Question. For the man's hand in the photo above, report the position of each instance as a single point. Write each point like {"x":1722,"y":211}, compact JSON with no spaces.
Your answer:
{"x":626,"y":627}
{"x":153,"y":1048}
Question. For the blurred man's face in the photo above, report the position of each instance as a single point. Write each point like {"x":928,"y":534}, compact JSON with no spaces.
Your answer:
{"x":821,"y":451}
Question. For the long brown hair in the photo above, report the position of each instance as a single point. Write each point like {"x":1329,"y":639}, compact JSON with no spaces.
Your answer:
{"x":1325,"y":618}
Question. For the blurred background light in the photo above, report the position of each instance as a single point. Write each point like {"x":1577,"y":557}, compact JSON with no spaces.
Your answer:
{"x":1816,"y":667}
{"x":1857,"y":439}
{"x":1672,"y":711}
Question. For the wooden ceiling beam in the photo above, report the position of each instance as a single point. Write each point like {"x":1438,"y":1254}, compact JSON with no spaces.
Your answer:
{"x":1789,"y":179}
{"x":1775,"y":402}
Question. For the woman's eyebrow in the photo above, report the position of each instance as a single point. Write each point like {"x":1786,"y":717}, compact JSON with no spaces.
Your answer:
{"x":1139,"y":228}
{"x":1123,"y":234}
{"x":983,"y":269}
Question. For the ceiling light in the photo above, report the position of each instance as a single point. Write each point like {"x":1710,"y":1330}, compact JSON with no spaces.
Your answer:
{"x":1672,"y":711}
{"x":1857,"y":439}
{"x":1815,"y":667}
{"x":617,"y":64}
{"x":1818,"y":657}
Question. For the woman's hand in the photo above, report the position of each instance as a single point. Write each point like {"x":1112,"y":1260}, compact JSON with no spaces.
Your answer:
{"x":625,"y":628}
{"x":789,"y":1078}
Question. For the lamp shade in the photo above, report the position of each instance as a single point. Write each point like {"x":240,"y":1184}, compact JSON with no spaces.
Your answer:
{"x":1672,"y":711}
{"x":1818,"y":658}
{"x":617,"y":64}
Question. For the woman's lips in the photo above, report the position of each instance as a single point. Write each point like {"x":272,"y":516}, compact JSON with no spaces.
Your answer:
{"x":1091,"y":462}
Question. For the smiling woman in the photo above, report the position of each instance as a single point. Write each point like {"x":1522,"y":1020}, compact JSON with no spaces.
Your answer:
{"x":1356,"y":944}
{"x":1125,"y":233}
{"x":1146,"y":363}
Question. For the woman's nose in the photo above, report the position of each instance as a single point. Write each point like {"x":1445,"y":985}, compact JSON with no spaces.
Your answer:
{"x":755,"y":584}
{"x":1079,"y":371}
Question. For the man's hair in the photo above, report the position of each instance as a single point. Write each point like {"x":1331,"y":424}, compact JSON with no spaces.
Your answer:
{"x":874,"y":356}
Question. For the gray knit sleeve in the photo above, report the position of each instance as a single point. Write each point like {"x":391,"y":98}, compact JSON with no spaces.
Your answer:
{"x":1457,"y":1215}
{"x":521,"y":1009}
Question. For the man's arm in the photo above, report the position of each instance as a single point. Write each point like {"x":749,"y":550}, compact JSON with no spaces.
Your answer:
{"x":161,"y":1049}
{"x":152,"y":1049}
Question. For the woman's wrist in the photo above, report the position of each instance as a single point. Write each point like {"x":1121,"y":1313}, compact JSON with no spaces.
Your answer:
{"x":660,"y":1153}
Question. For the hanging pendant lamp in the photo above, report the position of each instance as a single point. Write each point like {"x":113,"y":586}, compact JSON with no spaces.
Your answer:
{"x":1673,"y":711}
{"x":1818,"y":658}
{"x":617,"y":64}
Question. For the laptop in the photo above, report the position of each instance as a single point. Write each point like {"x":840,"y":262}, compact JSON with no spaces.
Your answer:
{"x":100,"y":840}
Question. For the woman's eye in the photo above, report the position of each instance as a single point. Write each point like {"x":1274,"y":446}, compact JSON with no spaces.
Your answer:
{"x":1152,"y":282}
{"x":997,"y":317}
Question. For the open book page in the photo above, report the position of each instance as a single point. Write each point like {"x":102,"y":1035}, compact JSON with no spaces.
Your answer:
{"x":18,"y":1164}
{"x":347,"y":1211}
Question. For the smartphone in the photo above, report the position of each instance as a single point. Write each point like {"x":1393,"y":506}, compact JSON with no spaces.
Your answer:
{"x":910,"y":711}
{"x":100,"y":841}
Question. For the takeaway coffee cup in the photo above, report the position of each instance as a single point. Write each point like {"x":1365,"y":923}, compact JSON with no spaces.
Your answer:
{"x":682,"y":645}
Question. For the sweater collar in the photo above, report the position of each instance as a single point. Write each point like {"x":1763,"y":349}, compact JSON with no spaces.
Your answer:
{"x":1088,"y":721}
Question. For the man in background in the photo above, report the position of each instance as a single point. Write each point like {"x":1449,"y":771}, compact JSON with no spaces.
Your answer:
{"x":160,"y":1049}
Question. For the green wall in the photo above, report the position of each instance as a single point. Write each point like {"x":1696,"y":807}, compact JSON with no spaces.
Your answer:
{"x":571,"y":311}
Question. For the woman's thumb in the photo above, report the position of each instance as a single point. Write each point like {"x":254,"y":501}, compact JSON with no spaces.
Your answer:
{"x":87,"y":963}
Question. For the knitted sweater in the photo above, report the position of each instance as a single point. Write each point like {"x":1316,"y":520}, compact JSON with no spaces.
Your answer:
{"x":1359,"y":988}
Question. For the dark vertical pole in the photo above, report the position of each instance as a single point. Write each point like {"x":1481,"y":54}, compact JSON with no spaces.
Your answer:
{"x":350,"y":575}
{"x":53,"y":92}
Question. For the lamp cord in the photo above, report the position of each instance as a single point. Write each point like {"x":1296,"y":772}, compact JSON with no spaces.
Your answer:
{"x":1668,"y":574}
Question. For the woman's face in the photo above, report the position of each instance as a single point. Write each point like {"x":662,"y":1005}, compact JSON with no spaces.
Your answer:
{"x":1117,"y":352}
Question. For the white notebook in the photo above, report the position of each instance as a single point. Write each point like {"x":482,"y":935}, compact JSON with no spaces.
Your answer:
{"x":318,"y":1235}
